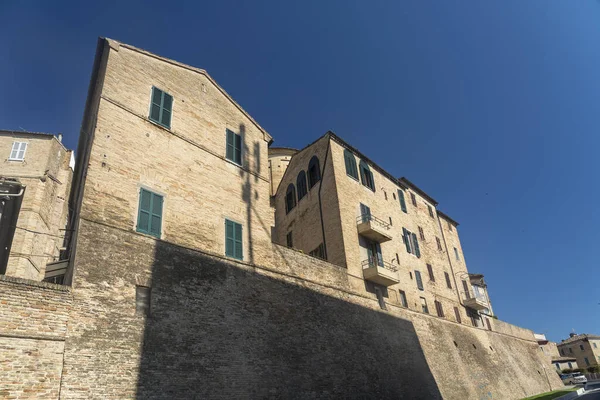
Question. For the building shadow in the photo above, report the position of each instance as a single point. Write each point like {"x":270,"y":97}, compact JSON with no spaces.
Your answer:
{"x":218,"y":329}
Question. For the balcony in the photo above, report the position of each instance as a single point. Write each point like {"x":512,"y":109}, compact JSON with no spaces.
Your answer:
{"x":380,"y":272}
{"x":373,"y":228}
{"x":476,"y":303}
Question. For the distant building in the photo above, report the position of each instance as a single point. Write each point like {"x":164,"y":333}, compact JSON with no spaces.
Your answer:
{"x":550,"y":350}
{"x":585,"y":348}
{"x":35,"y":179}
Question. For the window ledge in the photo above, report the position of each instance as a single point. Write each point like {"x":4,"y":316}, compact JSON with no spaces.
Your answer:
{"x":353,"y":178}
{"x":16,"y":159}
{"x":234,"y":163}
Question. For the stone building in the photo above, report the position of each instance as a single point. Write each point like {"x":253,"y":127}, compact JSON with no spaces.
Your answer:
{"x":584,"y":347}
{"x":336,"y":204}
{"x":35,"y":180}
{"x":175,"y":289}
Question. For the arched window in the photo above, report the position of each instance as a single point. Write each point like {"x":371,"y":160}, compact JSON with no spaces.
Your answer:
{"x":301,"y":183}
{"x":314,"y":172}
{"x":366,"y":176}
{"x":290,"y":198}
{"x":351,"y":169}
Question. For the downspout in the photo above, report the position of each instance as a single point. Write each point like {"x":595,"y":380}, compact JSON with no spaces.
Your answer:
{"x":449,"y":261}
{"x":320,"y":203}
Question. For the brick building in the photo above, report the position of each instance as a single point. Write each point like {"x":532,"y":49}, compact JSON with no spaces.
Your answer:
{"x":333,"y":202}
{"x":175,"y":288}
{"x":35,"y":180}
{"x":584,"y":347}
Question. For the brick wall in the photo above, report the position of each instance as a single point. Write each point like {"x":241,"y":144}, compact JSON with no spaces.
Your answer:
{"x":33,"y":319}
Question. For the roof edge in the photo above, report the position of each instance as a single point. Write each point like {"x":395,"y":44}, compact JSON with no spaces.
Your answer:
{"x":418,"y":190}
{"x":445,"y":216}
{"x":42,"y":134}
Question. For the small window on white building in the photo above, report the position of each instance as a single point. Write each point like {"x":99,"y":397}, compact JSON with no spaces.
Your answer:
{"x":18,"y":151}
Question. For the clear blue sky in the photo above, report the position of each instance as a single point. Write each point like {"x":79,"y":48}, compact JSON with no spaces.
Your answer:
{"x":493,"y":108}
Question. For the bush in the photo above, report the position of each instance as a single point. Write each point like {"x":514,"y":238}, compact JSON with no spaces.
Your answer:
{"x":567,"y":371}
{"x":594,"y":369}
{"x":582,"y":370}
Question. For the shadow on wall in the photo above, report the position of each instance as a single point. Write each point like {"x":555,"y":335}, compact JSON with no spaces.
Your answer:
{"x":221,"y":330}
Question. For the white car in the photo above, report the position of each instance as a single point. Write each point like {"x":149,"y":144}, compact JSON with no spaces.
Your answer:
{"x":573,"y":379}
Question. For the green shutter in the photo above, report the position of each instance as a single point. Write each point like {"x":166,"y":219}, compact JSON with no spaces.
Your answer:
{"x":167,"y":106}
{"x":237,"y":147}
{"x":161,"y":107}
{"x":230,"y":148}
{"x":416,"y":243}
{"x":233,"y":240}
{"x":150,"y":213}
{"x":238,"y":242}
{"x":405,"y":236}
{"x":419,"y":280}
{"x":402,"y":201}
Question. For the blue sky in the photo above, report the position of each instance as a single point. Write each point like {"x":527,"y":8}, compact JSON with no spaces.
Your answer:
{"x":491,"y":107}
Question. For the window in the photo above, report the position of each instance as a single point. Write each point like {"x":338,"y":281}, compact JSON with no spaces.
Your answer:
{"x":456,"y":254}
{"x":18,"y":151}
{"x":397,"y":258}
{"x":391,"y":221}
{"x":150,"y":213}
{"x":402,"y":201}
{"x":233,"y":240}
{"x":419,"y":280}
{"x":466,"y":289}
{"x":430,"y":210}
{"x":411,"y":242}
{"x":570,"y":350}
{"x":403,"y":298}
{"x":587,"y":362}
{"x":581,"y":347}
{"x":319,"y":252}
{"x":394,"y":194}
{"x":449,"y":226}
{"x":595,"y":345}
{"x":424,"y":305}
{"x":301,"y":184}
{"x":289,"y":240}
{"x":366,"y":176}
{"x":142,"y":300}
{"x":562,"y":352}
{"x":448,"y":283}
{"x":385,"y":195}
{"x":421,"y":234}
{"x":557,"y":366}
{"x":474,"y":316}
{"x":457,"y":315}
{"x":234,"y":147}
{"x":290,"y":198}
{"x":570,"y":365}
{"x":161,"y":107}
{"x":489,"y":326}
{"x":365,"y":213}
{"x":351,"y":169}
{"x":430,"y":271}
{"x":439,"y":243}
{"x":439,"y":309}
{"x":413,"y":199}
{"x":314,"y":172}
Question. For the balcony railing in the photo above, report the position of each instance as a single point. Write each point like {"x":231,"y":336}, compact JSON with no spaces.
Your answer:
{"x":373,"y":219}
{"x":375,"y":262}
{"x":373,"y":228}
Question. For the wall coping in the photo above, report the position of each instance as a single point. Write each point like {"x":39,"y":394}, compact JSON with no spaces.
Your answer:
{"x":32,"y":283}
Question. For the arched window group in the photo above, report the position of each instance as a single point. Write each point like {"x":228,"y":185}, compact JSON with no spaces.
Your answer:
{"x":314,"y":176}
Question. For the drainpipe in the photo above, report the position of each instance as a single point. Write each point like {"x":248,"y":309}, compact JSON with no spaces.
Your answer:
{"x":320,"y":203}
{"x":450,"y":262}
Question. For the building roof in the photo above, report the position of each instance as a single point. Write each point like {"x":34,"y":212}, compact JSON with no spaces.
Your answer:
{"x":418,"y":190}
{"x":41,"y":135}
{"x":563,"y":359}
{"x":577,"y":338}
{"x":115,"y":44}
{"x":445,"y":216}
{"x":282,"y":150}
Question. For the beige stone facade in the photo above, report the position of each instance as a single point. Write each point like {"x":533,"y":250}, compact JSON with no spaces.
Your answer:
{"x":330,"y":213}
{"x":40,"y":165}
{"x":585,"y":348}
{"x":279,"y":159}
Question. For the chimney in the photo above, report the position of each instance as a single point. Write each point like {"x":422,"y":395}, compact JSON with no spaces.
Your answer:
{"x":572,"y":334}
{"x":60,"y":137}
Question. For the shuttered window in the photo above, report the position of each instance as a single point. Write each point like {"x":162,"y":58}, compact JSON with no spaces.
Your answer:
{"x":419,"y":280}
{"x":448,"y":283}
{"x":234,"y":147}
{"x":430,"y":210}
{"x":161,"y":107}
{"x":456,"y":254}
{"x":18,"y":151}
{"x":457,"y":315}
{"x":439,"y":309}
{"x":424,"y":307}
{"x":466,"y":289}
{"x":430,"y":271}
{"x":301,"y":184}
{"x":351,"y":169}
{"x":402,"y":201}
{"x":421,"y":234}
{"x":403,"y":300}
{"x":439,"y":243}
{"x":411,"y":242}
{"x":233,"y":240}
{"x":366,"y":176}
{"x":290,"y":198}
{"x":150,"y":213}
{"x":413,"y":199}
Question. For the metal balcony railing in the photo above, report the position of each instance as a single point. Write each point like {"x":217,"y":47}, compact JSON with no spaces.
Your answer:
{"x":377,"y":262}
{"x":373,"y":219}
